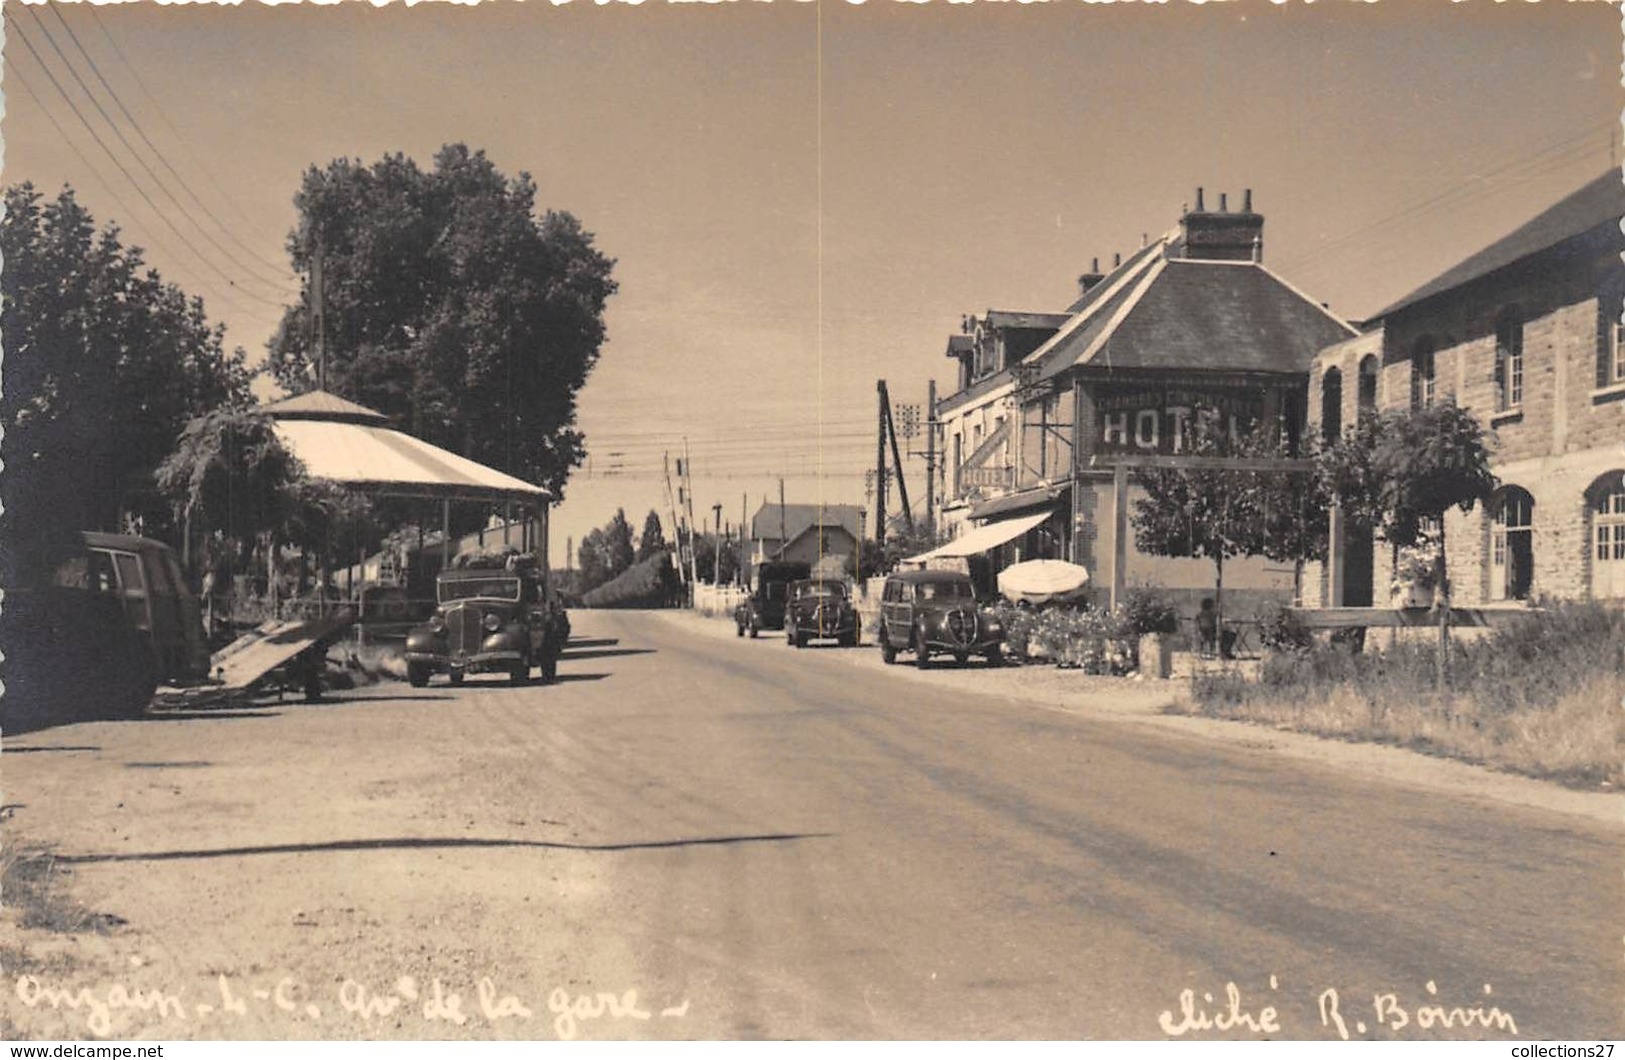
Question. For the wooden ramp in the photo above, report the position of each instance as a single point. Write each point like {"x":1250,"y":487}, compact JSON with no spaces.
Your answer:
{"x":250,"y":657}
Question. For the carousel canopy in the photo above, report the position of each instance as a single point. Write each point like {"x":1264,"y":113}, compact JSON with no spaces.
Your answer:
{"x":340,"y":441}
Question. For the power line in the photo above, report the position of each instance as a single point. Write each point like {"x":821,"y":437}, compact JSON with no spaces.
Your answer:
{"x":16,"y":73}
{"x":281,"y":274}
{"x":18,"y":29}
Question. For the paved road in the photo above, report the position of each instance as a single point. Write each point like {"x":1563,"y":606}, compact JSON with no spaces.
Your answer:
{"x":780,"y":844}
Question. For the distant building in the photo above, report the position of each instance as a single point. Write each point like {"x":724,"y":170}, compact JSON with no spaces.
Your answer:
{"x":1041,"y":445}
{"x":805,"y":533}
{"x":1527,"y":335}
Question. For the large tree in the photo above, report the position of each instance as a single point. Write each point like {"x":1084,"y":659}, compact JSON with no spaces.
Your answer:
{"x":451,"y":305}
{"x":653,"y":538}
{"x":105,"y":363}
{"x":1219,"y":513}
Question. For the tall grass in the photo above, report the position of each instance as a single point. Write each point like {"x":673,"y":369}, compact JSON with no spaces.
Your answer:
{"x":1544,"y":696}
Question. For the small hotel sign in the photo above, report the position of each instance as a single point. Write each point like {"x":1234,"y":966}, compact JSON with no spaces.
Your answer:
{"x":985,"y":477}
{"x":1162,"y":419}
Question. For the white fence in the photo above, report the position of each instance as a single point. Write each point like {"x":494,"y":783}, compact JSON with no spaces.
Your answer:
{"x":718,"y":600}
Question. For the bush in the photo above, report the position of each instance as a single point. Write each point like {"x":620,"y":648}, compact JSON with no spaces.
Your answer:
{"x":1148,"y":610}
{"x":646,"y":584}
{"x":1281,"y":629}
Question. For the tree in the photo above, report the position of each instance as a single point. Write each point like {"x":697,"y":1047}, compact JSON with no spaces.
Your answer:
{"x":451,"y":306}
{"x":606,"y":553}
{"x":618,"y":543}
{"x":230,"y":473}
{"x":707,"y":559}
{"x":104,"y":365}
{"x":653,"y":538}
{"x":1425,"y":462}
{"x":1218,"y":513}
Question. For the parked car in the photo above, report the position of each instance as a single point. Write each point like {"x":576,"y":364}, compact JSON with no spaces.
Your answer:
{"x":764,"y":608}
{"x":820,"y":609}
{"x":488,"y":619}
{"x":113,"y":621}
{"x":931,"y":611}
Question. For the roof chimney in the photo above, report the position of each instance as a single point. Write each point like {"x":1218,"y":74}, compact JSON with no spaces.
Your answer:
{"x":1090,"y":278}
{"x":1222,"y":235}
{"x":1117,"y":259}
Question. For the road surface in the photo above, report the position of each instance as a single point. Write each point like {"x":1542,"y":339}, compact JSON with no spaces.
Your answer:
{"x":697,"y":836}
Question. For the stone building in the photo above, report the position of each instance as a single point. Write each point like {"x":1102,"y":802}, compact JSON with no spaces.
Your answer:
{"x":1527,"y":335}
{"x":1192,"y":327}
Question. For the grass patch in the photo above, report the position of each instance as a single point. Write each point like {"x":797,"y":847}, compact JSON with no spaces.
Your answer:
{"x":1543,"y":696}
{"x":32,"y":893}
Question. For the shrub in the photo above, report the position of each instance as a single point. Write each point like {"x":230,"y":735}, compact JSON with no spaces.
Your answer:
{"x":1148,"y":610}
{"x":1283,"y":630}
{"x":644,"y":584}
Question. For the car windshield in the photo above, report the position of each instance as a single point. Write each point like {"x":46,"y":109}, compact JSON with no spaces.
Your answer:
{"x":491,"y":588}
{"x":944,"y":591}
{"x":828,"y":590}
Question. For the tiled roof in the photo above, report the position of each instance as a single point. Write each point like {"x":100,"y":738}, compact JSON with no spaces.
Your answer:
{"x":1199,"y":315}
{"x":1598,"y":203}
{"x":799,"y":518}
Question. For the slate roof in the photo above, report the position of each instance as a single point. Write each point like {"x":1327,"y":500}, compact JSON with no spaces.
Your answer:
{"x":1598,"y":203}
{"x":799,"y":518}
{"x":1194,"y":314}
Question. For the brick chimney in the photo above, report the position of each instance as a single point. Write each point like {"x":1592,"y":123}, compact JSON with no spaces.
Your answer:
{"x":1219,"y":235}
{"x":1090,"y":278}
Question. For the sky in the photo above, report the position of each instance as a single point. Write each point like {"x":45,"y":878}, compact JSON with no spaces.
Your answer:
{"x":805,"y":196}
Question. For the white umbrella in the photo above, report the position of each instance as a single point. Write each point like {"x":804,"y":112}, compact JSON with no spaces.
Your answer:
{"x":1042,"y":581}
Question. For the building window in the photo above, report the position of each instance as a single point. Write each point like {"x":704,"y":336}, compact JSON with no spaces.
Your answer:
{"x":1610,"y":340}
{"x":1512,"y":545}
{"x":1366,"y":399}
{"x":1331,"y":404}
{"x":1607,"y":496}
{"x":1422,"y":374}
{"x":1508,"y":361}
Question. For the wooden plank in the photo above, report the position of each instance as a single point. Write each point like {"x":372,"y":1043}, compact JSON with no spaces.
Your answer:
{"x":253,"y":655}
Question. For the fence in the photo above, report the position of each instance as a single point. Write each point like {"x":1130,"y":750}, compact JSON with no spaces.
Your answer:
{"x":718,"y":600}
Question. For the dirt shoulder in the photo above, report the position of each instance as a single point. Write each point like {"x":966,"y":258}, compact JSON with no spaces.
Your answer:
{"x":1143,"y":702}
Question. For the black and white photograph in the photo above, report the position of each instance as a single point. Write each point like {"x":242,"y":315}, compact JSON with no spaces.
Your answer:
{"x":812,"y":520}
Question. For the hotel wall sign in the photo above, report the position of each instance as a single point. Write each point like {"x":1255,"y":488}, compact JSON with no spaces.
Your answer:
{"x":1160,"y":419}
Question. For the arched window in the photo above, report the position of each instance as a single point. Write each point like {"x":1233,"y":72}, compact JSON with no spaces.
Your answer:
{"x":1606,"y":499}
{"x":1512,"y":544}
{"x":1366,"y":399}
{"x":1331,"y":404}
{"x":1422,"y":374}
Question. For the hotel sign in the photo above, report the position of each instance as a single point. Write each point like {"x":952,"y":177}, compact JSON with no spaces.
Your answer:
{"x":1164,"y":419}
{"x":1001,"y":478}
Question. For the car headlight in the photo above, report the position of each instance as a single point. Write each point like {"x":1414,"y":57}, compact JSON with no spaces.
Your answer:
{"x":493,"y":622}
{"x":437,"y":625}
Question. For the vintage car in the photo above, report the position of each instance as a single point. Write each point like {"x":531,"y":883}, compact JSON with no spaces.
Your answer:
{"x":488,"y":619}
{"x":928,"y":611}
{"x":114,"y":620}
{"x":764,"y":608}
{"x":820,"y":609}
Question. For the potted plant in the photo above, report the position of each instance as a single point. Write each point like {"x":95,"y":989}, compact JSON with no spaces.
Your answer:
{"x":1413,"y":581}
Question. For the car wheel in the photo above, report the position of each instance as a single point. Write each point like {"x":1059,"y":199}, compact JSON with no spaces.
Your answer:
{"x":922,"y":653}
{"x":550,"y":667}
{"x":888,"y":654}
{"x":849,"y":640}
{"x":519,"y":674}
{"x":790,"y":635}
{"x":995,"y":656}
{"x":417,"y":674}
{"x":456,"y":677}
{"x":739,"y":629}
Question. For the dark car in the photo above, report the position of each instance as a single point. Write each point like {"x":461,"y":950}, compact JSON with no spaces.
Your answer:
{"x":115,"y":620}
{"x":764,"y":608}
{"x":930,"y":611}
{"x":820,"y":609}
{"x":489,"y":619}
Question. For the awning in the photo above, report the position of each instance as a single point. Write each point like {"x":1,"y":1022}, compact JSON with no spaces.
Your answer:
{"x":983,"y":538}
{"x":1020,"y":501}
{"x":341,"y":442}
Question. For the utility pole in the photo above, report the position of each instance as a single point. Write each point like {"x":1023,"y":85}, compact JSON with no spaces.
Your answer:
{"x":931,"y":459}
{"x":676,"y":532}
{"x":744,"y":501}
{"x":880,"y":463}
{"x":688,"y":483}
{"x":783,"y":532}
{"x":318,"y":323}
{"x":897,"y":457}
{"x":716,"y":573}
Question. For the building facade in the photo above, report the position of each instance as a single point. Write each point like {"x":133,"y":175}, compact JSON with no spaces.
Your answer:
{"x":1527,"y":335}
{"x":1190,"y":332}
